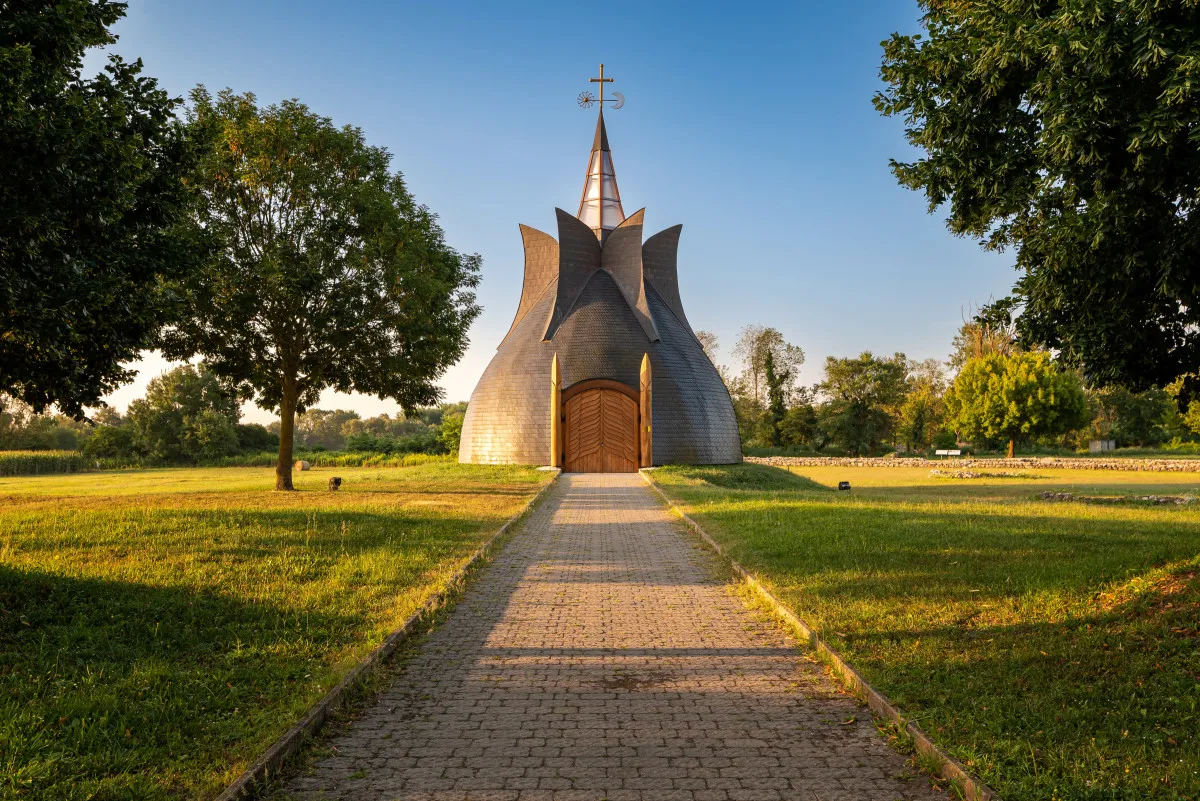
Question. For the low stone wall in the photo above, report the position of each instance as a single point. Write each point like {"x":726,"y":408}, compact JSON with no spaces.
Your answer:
{"x":1040,"y":463}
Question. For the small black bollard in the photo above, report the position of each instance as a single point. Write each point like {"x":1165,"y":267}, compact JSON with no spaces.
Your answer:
{"x":844,"y":485}
{"x":334,"y":483}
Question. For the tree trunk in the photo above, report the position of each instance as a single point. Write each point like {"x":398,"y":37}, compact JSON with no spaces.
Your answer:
{"x":1012,"y":448}
{"x":287,"y":428}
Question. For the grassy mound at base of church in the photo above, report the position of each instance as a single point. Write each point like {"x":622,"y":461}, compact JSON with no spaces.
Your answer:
{"x":1053,"y":647}
{"x":160,"y":628}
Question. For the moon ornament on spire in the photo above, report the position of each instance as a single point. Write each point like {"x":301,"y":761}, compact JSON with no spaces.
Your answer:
{"x":599,"y":313}
{"x":600,"y":206}
{"x":586,"y":99}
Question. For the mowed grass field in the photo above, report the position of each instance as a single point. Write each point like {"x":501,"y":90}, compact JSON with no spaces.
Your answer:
{"x":1053,"y":647}
{"x":159,"y":628}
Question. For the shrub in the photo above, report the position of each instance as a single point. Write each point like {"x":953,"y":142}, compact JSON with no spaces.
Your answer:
{"x":945,"y":440}
{"x":253,"y":438}
{"x":451,"y":431}
{"x":426,"y":441}
{"x":109,"y":442}
{"x":800,"y":428}
{"x":208,"y":435}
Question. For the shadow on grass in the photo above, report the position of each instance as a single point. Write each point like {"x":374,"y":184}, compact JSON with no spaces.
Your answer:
{"x":991,"y":627}
{"x":1100,"y":705}
{"x":882,"y":551}
{"x":247,"y":532}
{"x":147,"y":651}
{"x":746,"y":476}
{"x":111,"y":689}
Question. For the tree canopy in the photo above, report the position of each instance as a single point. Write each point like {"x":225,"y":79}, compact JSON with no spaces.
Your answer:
{"x":864,"y":394}
{"x":922,"y":412}
{"x":755,"y":343}
{"x":187,"y":414}
{"x":1001,"y":398}
{"x":990,"y":330}
{"x":90,"y":198}
{"x":777,"y":382}
{"x":325,"y":272}
{"x":1130,"y":418}
{"x":1071,"y":132}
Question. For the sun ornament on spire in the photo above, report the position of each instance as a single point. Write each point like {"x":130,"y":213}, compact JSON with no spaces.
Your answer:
{"x":600,"y":206}
{"x":601,"y":325}
{"x":586,"y":99}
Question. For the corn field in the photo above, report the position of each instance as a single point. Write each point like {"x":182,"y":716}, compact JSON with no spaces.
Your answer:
{"x":333,"y":459}
{"x":33,"y":463}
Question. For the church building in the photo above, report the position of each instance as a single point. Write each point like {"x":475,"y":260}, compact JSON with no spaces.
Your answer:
{"x":600,"y":370}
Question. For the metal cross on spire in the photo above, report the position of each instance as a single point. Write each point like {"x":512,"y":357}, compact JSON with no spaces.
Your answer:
{"x":586,"y":99}
{"x":600,"y":206}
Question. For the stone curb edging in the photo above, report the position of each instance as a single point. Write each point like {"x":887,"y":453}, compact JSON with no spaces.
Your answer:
{"x":970,"y":788}
{"x":270,"y":762}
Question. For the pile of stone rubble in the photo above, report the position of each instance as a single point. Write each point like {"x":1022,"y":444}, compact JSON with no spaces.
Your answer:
{"x":1038,"y":463}
{"x":938,"y":473}
{"x":1156,"y":500}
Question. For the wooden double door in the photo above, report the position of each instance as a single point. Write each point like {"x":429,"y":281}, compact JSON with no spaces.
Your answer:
{"x":600,"y":431}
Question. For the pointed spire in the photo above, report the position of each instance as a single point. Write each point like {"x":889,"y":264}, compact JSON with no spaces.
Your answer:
{"x":600,"y":206}
{"x":601,"y":140}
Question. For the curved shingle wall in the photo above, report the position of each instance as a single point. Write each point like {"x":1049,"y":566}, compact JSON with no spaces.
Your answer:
{"x":508,"y":419}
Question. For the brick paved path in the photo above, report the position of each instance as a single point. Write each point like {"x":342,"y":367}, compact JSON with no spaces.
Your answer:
{"x":599,"y":658}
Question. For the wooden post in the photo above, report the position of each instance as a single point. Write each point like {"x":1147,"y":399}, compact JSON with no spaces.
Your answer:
{"x":556,"y":442}
{"x":646,"y":432}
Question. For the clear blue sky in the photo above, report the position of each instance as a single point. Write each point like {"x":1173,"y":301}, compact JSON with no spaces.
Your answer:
{"x":750,"y":123}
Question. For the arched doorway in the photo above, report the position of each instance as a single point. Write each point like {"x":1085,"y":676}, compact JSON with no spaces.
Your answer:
{"x":600,"y":422}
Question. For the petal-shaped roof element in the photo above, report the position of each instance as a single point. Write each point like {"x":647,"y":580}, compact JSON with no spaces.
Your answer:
{"x":541,"y":268}
{"x":578,"y":258}
{"x":622,"y":258}
{"x":660,"y":263}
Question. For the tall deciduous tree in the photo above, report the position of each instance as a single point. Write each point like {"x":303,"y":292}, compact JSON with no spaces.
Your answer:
{"x":777,"y":382}
{"x":923,"y":409}
{"x":1006,"y":398}
{"x":990,"y":330}
{"x":323,"y":427}
{"x":864,"y":395}
{"x":753,"y":345}
{"x":749,"y":390}
{"x":90,"y":194}
{"x":1070,"y":131}
{"x":710,"y":343}
{"x":326,"y":272}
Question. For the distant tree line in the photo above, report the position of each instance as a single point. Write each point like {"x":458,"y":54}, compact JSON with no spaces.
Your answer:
{"x":190,"y":416}
{"x":990,"y":395}
{"x":431,"y":429}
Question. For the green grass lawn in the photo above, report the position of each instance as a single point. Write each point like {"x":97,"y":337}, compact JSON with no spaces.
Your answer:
{"x":1052,"y":647}
{"x":159,"y":628}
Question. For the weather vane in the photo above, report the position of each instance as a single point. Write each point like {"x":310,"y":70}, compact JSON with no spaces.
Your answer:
{"x":587,"y":99}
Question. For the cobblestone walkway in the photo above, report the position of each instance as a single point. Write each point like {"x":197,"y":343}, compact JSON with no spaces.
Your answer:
{"x":599,"y":658}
